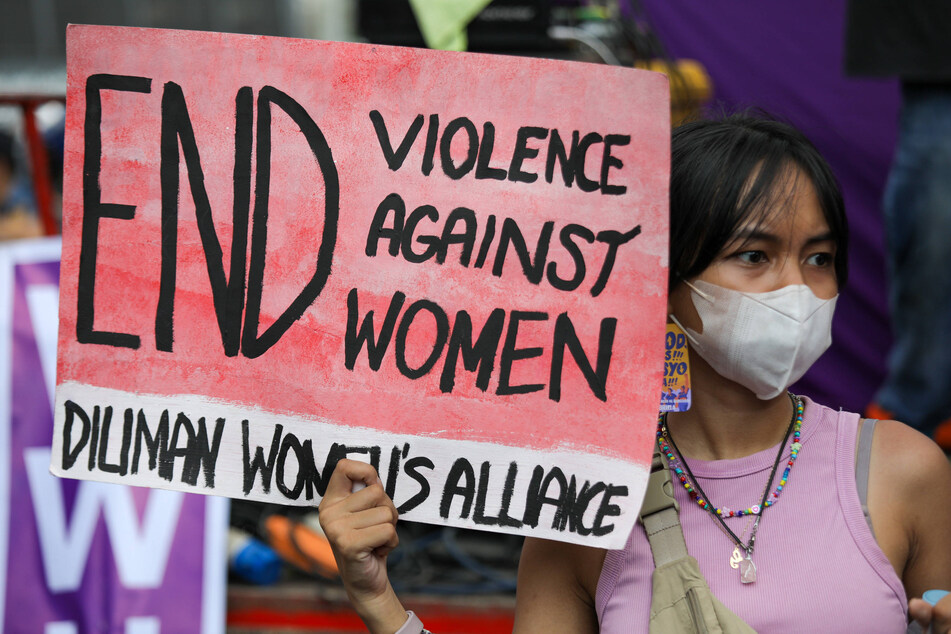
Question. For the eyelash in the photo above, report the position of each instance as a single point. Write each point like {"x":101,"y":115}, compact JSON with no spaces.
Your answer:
{"x":829,"y":259}
{"x":740,"y":256}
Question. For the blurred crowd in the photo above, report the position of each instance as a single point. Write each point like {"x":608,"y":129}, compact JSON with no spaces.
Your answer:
{"x":19,"y":211}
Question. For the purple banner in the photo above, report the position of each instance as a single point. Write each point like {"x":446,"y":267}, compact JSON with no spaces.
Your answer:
{"x":786,"y":57}
{"x":87,"y":556}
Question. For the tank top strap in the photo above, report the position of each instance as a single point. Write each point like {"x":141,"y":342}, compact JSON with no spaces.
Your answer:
{"x":847,"y":427}
{"x":863,"y":458}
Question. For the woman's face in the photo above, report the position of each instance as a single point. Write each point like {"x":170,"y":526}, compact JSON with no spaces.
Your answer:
{"x":793,"y":246}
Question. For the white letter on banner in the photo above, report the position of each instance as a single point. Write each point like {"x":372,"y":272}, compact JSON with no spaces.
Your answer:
{"x":141,"y":552}
{"x":133,"y":625}
{"x":43,"y":300}
{"x":143,"y":625}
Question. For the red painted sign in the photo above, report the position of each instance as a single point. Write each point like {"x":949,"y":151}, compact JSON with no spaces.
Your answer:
{"x":277,"y":253}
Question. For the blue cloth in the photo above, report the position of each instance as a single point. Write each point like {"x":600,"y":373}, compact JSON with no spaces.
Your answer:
{"x":917,"y":209}
{"x":19,"y":196}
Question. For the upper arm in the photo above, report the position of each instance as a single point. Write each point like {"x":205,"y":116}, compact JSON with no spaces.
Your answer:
{"x":910,"y":504}
{"x":556,"y":587}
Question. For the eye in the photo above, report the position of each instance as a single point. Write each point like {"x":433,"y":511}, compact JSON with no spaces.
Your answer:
{"x":751,"y":257}
{"x":820,"y":259}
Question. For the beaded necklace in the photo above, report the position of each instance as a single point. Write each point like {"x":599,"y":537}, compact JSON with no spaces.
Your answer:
{"x":663,"y":434}
{"x":737,"y":560}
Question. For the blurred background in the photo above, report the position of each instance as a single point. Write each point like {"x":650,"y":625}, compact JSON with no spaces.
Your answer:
{"x":258,"y":568}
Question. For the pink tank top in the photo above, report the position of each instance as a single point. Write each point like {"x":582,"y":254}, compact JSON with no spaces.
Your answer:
{"x":819,"y":568}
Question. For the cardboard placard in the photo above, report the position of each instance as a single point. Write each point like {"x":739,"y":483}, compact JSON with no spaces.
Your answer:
{"x":277,"y":253}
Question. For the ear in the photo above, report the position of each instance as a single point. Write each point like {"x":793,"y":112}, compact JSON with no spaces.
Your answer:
{"x":671,"y":291}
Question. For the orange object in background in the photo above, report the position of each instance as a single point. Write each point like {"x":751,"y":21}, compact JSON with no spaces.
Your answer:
{"x":298,"y":544}
{"x":876,"y":411}
{"x":941,"y":435}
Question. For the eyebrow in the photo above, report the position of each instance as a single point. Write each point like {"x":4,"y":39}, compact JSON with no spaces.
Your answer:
{"x":822,"y":237}
{"x":753,"y":234}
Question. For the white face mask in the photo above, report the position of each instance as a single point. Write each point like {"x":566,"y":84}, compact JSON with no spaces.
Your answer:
{"x":763,"y":341}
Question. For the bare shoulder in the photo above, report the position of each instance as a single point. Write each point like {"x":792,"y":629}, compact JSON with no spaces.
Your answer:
{"x":910,"y":503}
{"x":557,"y":583}
{"x":911,"y":461}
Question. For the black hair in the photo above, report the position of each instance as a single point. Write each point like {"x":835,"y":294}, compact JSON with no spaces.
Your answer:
{"x":729,"y":171}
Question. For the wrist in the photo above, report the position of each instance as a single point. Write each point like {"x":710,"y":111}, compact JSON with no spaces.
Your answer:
{"x":382,"y":614}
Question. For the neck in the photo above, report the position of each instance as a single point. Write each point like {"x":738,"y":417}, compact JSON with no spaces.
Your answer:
{"x":726,"y":420}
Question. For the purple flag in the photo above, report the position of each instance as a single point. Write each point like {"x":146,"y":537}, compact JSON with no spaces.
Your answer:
{"x":86,"y":556}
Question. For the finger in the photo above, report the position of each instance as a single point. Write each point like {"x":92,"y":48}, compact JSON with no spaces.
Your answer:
{"x":388,"y":547}
{"x":372,"y":517}
{"x":359,"y":510}
{"x":920,"y":611}
{"x":367,"y":498}
{"x":357,"y":486}
{"x":941,"y":616}
{"x":344,"y":475}
{"x":356,"y":543}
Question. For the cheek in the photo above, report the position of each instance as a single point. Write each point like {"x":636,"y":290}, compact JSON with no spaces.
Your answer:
{"x":737,"y":277}
{"x":824,"y":285}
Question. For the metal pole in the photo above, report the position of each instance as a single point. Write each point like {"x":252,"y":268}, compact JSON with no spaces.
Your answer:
{"x":40,"y":168}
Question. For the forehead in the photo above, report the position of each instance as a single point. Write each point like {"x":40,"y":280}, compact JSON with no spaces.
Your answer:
{"x":791,"y":208}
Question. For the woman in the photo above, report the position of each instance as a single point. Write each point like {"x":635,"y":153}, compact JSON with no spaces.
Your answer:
{"x":758,"y":255}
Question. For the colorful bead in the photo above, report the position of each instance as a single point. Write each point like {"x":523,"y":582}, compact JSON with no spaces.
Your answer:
{"x":754,"y":509}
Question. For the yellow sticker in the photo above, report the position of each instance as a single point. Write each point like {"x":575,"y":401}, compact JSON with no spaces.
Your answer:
{"x":675,"y":396}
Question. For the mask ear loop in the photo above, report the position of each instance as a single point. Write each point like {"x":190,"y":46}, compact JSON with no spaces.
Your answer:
{"x":696,"y":290}
{"x":680,"y":325}
{"x":705,"y":296}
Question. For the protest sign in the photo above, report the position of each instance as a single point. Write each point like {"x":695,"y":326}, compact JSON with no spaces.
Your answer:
{"x":87,"y":556}
{"x":278,"y":253}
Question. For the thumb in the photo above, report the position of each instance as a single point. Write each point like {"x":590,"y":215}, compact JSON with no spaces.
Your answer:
{"x":345,"y":474}
{"x":941,"y":616}
{"x":920,"y":611}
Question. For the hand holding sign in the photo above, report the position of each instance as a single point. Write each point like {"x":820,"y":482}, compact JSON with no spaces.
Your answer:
{"x":361,"y":527}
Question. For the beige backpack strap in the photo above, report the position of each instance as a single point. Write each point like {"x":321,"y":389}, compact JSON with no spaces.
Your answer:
{"x":659,"y":514}
{"x":681,"y":601}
